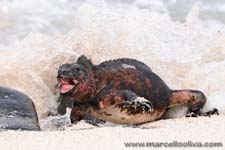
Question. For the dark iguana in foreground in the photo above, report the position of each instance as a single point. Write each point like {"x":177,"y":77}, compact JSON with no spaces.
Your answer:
{"x":123,"y":91}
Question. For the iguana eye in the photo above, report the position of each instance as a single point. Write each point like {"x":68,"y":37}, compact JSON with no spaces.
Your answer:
{"x":78,"y":69}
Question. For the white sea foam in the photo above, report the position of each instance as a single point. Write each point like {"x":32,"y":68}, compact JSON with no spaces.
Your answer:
{"x":189,"y":55}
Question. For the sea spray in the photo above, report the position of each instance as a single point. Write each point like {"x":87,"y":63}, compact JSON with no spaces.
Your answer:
{"x":189,"y":55}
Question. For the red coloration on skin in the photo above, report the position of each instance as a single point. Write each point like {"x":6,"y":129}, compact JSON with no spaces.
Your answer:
{"x":110,"y":88}
{"x":83,"y":88}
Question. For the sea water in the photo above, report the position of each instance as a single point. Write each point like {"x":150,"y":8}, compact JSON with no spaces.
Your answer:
{"x":182,"y":41}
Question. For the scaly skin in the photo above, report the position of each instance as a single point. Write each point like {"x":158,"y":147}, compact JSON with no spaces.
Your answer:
{"x":123,"y":91}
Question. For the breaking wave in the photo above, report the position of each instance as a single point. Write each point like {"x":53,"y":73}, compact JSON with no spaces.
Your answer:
{"x":187,"y":54}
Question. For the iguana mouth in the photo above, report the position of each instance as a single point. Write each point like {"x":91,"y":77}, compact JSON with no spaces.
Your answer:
{"x":67,"y":85}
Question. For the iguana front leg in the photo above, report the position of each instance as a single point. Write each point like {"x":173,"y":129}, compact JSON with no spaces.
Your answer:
{"x":125,"y":107}
{"x":125,"y":100}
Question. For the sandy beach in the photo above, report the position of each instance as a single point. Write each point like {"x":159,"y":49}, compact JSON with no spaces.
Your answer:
{"x":86,"y":136}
